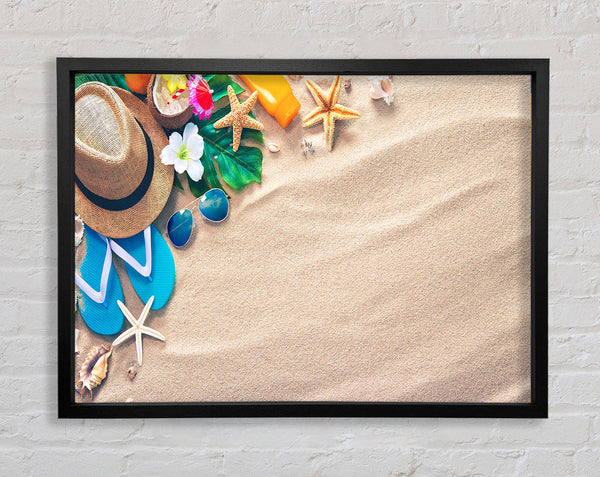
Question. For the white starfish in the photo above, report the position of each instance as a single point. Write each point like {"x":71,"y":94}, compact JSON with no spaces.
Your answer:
{"x":137,"y":328}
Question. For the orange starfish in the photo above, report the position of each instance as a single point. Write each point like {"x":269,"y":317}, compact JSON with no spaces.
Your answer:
{"x":328,"y":109}
{"x":238,"y":117}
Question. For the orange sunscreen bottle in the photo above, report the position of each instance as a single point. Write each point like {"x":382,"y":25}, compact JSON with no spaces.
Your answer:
{"x":275,"y":95}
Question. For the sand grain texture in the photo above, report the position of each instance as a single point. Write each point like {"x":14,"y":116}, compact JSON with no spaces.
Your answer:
{"x":394,"y":268}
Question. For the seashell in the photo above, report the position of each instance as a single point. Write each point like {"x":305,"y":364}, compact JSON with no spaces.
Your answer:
{"x":79,"y":229}
{"x":173,"y":115}
{"x":381,"y":87}
{"x":307,"y":147}
{"x":94,"y":369}
{"x":129,"y":400}
{"x":274,"y":147}
{"x":348,"y":83}
{"x":132,"y":370}
{"x":76,"y":337}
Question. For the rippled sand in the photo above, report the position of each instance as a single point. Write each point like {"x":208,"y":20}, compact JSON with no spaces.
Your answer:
{"x":395,"y":268}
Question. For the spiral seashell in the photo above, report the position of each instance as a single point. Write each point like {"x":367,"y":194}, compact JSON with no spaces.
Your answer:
{"x":132,"y":370}
{"x":381,"y":87}
{"x":94,"y":369}
{"x":274,"y":147}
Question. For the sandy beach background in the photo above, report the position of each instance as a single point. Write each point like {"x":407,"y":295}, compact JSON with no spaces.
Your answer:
{"x":394,"y":268}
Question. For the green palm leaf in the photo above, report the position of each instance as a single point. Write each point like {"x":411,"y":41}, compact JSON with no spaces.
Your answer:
{"x":198,"y":188}
{"x":239,"y":168}
{"x":219,"y":83}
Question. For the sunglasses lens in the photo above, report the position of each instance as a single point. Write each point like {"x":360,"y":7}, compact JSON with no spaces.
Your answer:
{"x":179,"y":227}
{"x":214,"y":205}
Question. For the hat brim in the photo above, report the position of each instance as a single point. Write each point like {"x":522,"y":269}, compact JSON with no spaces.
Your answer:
{"x":125,"y":223}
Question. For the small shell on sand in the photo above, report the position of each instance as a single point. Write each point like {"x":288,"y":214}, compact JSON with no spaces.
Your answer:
{"x":129,"y":400}
{"x":348,"y":83}
{"x":273,"y":147}
{"x":94,"y":369}
{"x":307,"y":147}
{"x":132,"y":370}
{"x":76,"y":337}
{"x":381,"y":87}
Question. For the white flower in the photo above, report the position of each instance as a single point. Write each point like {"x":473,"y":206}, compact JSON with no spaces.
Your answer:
{"x":185,"y":152}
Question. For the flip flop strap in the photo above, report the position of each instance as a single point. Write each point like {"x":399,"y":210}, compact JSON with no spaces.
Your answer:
{"x":137,"y":266}
{"x":97,"y":296}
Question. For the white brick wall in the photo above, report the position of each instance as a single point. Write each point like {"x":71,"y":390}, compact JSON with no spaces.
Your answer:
{"x":33,"y":33}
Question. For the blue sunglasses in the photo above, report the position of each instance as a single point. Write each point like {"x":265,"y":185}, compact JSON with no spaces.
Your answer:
{"x":213,"y":206}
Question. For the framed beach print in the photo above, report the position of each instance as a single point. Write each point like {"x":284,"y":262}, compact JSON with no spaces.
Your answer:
{"x":302,"y":237}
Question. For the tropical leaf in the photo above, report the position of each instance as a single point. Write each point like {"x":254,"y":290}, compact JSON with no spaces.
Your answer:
{"x":117,"y":80}
{"x":252,"y":134}
{"x":211,"y":176}
{"x":238,"y":169}
{"x":176,"y":181}
{"x":198,"y":188}
{"x":219,"y":83}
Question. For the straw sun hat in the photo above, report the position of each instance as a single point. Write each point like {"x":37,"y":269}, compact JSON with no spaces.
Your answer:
{"x":120,"y":183}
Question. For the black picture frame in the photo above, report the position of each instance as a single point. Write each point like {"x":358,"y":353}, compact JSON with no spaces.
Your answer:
{"x":539,"y":71}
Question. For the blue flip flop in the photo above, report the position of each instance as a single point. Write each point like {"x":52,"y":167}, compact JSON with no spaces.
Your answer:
{"x":157,"y":276}
{"x":100,"y":287}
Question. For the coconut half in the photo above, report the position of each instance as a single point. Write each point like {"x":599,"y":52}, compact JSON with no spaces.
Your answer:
{"x":169,"y":113}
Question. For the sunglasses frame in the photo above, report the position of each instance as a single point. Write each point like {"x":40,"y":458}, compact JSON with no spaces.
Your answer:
{"x":206,"y":219}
